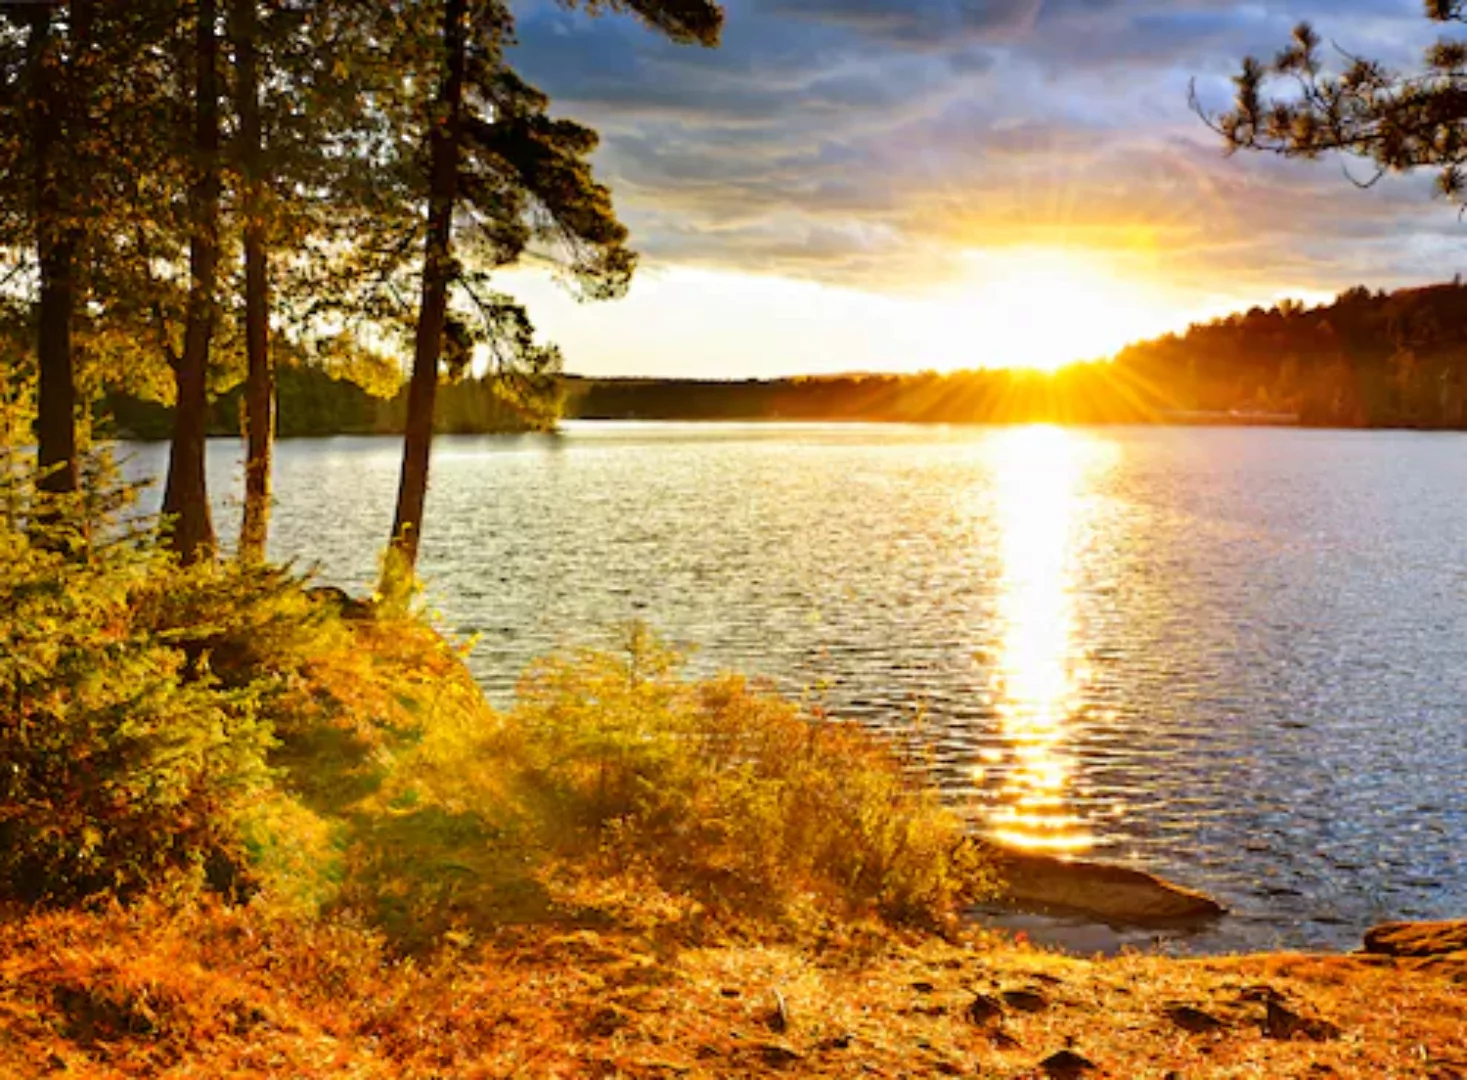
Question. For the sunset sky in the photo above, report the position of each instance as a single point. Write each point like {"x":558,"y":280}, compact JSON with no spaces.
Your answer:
{"x":903,"y":184}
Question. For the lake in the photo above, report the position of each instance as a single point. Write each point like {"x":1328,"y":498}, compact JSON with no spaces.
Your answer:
{"x":1235,"y":657}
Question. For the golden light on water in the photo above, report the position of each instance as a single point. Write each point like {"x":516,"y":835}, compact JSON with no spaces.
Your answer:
{"x":1040,"y":473}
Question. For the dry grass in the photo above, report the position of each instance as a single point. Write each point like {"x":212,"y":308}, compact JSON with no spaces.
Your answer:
{"x":214,"y":992}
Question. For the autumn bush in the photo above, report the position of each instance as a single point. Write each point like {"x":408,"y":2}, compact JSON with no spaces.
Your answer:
{"x":614,"y":766}
{"x":227,"y":725}
{"x":724,"y":787}
{"x":124,"y":759}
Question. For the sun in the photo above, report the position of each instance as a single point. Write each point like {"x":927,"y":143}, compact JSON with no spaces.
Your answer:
{"x":1040,"y":310}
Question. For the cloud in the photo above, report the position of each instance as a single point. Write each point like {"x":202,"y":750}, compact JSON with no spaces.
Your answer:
{"x":872,"y":142}
{"x":923,"y":23}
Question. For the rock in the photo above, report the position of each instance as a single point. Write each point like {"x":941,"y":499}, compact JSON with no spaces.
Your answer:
{"x":1260,"y":993}
{"x":838,"y":1042}
{"x":1116,"y":895}
{"x":1194,"y":1020}
{"x":1281,"y":1022}
{"x":777,"y":1056}
{"x":1066,"y":1065}
{"x":1025,"y":1000}
{"x":923,"y":987}
{"x":984,"y":1009}
{"x":1417,"y":939}
{"x":1003,"y":1040}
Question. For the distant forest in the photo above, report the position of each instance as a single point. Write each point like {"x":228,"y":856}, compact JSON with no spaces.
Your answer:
{"x":1365,"y":360}
{"x":311,"y":401}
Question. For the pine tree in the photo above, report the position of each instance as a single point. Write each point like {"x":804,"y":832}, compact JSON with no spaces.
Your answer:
{"x":46,"y":102}
{"x":186,"y":492}
{"x":260,"y":380}
{"x":493,"y":152}
{"x":1396,"y":122}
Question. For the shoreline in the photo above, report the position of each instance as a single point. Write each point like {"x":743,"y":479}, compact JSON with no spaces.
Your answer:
{"x":113,"y":994}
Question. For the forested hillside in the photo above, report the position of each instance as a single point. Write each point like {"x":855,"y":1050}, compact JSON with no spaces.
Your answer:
{"x":1364,"y":360}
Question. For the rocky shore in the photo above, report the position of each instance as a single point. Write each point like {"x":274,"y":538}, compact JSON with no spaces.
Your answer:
{"x":1115,"y":895}
{"x":219,"y":992}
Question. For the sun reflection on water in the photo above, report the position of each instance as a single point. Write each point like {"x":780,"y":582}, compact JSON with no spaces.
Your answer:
{"x":1040,"y":674}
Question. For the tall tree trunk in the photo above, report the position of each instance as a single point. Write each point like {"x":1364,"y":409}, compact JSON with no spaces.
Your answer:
{"x":260,"y":382}
{"x":444,"y":143}
{"x":56,"y":254}
{"x":186,"y":497}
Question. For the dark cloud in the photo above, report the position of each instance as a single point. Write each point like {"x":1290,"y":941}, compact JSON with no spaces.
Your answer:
{"x":915,"y":22}
{"x":870,"y":141}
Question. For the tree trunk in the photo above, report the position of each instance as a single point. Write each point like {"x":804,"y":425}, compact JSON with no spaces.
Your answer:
{"x":186,"y":497}
{"x":260,"y":381}
{"x":443,"y":142}
{"x":56,"y":254}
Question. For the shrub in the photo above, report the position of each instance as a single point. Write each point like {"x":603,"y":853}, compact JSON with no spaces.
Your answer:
{"x":119,"y":763}
{"x":724,"y":788}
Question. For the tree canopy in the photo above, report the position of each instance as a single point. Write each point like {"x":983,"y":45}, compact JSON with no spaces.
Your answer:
{"x":190,"y":189}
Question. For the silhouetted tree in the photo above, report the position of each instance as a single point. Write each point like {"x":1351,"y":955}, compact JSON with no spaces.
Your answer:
{"x":259,"y":401}
{"x":1397,"y":122}
{"x":496,"y":157}
{"x":44,"y":105}
{"x":186,"y":494}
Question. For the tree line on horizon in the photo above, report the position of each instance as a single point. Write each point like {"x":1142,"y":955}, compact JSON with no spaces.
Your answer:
{"x":1366,"y":359}
{"x":192,"y":189}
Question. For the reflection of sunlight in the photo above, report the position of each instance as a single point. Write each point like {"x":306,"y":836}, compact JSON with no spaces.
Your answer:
{"x":1040,"y":670}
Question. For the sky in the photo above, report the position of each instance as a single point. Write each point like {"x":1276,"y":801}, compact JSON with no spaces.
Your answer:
{"x":898,"y":185}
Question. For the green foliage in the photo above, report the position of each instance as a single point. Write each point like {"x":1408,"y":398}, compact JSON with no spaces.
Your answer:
{"x":138,"y":699}
{"x":313,"y":401}
{"x":122,"y":760}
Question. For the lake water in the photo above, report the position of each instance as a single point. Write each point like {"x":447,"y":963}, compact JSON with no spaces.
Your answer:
{"x":1236,"y":657}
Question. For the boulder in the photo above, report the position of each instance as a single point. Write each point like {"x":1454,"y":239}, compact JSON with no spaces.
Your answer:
{"x":1116,"y":895}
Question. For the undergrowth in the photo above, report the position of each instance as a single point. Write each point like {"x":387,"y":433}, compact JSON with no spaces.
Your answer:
{"x":166,"y":729}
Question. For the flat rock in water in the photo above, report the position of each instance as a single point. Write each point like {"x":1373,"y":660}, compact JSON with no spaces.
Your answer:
{"x":1417,"y":939}
{"x":1116,"y":895}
